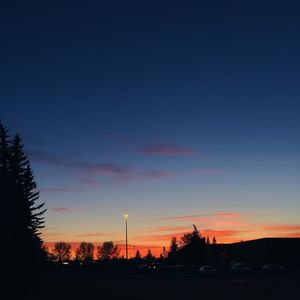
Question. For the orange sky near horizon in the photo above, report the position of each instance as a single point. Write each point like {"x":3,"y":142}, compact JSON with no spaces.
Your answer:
{"x":227,"y":227}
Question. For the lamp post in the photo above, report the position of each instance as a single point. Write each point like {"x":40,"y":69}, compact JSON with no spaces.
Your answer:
{"x":126,"y":217}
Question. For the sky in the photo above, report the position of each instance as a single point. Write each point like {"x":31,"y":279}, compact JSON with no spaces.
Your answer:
{"x":175,"y":112}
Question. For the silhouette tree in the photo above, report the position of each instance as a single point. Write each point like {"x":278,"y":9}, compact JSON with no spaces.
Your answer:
{"x":173,"y":251}
{"x":7,"y":189}
{"x":85,"y":252}
{"x":149,"y":258}
{"x":50,"y":256}
{"x":138,"y":255}
{"x":163,"y":254}
{"x":23,"y":217}
{"x":207,"y":241}
{"x":24,"y":178}
{"x":214,"y":241}
{"x":190,"y":238}
{"x":62,"y":251}
{"x":174,"y":245}
{"x":192,"y":247}
{"x":137,"y":258}
{"x":108,"y":251}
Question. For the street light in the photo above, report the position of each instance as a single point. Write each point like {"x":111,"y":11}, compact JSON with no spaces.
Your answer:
{"x":126,"y":217}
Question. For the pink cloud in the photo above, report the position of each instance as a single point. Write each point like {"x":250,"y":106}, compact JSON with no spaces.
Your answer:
{"x":223,"y":236}
{"x":282,"y":227}
{"x":87,"y":179}
{"x":106,"y":169}
{"x":58,"y":209}
{"x":227,"y":214}
{"x":158,"y":174}
{"x":165,"y":150}
{"x":293,"y":234}
{"x":222,"y":233}
{"x":161,"y":239}
{"x":178,"y":231}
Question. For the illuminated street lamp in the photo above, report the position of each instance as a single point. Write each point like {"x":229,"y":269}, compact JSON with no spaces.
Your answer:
{"x":126,"y":217}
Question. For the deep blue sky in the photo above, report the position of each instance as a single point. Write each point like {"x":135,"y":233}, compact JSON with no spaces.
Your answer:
{"x":156,"y":108}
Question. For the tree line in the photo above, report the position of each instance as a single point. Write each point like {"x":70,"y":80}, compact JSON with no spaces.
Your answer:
{"x":191,"y":248}
{"x":85,"y":252}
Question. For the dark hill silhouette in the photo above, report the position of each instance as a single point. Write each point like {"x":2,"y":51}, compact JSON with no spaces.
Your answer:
{"x":259,"y":251}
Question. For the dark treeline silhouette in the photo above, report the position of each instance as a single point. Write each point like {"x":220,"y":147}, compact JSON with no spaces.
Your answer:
{"x":85,"y":252}
{"x":22,"y":216}
{"x":191,"y":249}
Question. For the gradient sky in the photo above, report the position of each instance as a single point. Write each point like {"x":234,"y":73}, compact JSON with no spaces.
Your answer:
{"x":175,"y":112}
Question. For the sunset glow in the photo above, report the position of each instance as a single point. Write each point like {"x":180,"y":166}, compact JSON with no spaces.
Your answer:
{"x":174,"y":114}
{"x":226,"y":227}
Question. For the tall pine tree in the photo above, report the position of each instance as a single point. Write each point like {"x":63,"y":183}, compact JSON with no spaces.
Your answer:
{"x":23,"y":217}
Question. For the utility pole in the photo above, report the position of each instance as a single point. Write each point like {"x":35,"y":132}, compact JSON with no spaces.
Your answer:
{"x":126,"y":217}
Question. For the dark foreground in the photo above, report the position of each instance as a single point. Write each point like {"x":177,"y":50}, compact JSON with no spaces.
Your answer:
{"x":73,"y":284}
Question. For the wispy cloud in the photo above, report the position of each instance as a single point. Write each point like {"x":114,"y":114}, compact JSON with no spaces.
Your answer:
{"x":165,"y":239}
{"x":226,"y":214}
{"x":282,"y":227}
{"x":223,"y":234}
{"x":225,"y":226}
{"x":58,"y":209}
{"x":158,"y":174}
{"x":208,"y":172}
{"x":178,"y":231}
{"x":165,"y":149}
{"x":90,"y":172}
{"x":96,"y":234}
{"x":66,"y":209}
{"x":172,"y":229}
{"x":47,"y":157}
{"x":88,"y":169}
{"x":293,"y":234}
{"x":59,"y":190}
{"x":106,"y":169}
{"x":184,"y":217}
{"x":87,"y":179}
{"x":196,"y":216}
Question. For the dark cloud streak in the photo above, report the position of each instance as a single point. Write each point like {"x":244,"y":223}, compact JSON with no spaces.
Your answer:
{"x":165,"y":149}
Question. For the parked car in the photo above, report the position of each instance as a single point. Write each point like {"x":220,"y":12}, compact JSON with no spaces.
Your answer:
{"x":149,"y":268}
{"x":273,"y":268}
{"x":207,"y":271}
{"x":240,"y":268}
{"x":144,"y":268}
